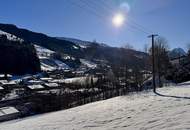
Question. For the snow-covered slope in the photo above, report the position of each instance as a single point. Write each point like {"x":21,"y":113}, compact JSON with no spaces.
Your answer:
{"x":10,"y":36}
{"x":143,"y":111}
{"x":50,"y":64}
{"x":47,"y":60}
{"x":43,"y":52}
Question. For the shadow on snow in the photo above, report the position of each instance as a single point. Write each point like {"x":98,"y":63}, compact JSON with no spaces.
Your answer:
{"x":172,"y":96}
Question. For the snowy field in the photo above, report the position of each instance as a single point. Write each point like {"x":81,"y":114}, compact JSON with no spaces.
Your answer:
{"x":146,"y":111}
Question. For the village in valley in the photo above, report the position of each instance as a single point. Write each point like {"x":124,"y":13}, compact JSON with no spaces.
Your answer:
{"x":60,"y":87}
{"x":94,"y":65}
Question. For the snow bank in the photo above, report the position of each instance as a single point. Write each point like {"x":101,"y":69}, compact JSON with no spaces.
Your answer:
{"x":143,"y":111}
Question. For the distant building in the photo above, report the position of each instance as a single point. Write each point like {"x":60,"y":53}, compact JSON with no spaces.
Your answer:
{"x":5,"y":77}
{"x":50,"y":85}
{"x":1,"y":88}
{"x":34,"y":82}
{"x":34,"y":87}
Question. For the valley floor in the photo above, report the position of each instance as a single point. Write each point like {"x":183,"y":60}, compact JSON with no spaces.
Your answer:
{"x":168,"y":110}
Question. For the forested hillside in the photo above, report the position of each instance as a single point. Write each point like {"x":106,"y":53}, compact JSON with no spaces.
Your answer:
{"x":17,"y":57}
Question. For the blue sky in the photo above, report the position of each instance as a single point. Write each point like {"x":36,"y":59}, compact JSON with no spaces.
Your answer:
{"x":92,"y":19}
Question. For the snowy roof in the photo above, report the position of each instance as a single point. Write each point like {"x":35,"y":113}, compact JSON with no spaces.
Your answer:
{"x":8,"y":110}
{"x":46,"y":79}
{"x":12,"y":82}
{"x":57,"y":81}
{"x":51,"y":84}
{"x":35,"y":86}
{"x":1,"y":88}
{"x":35,"y":82}
{"x":2,"y":76}
{"x":3,"y":81}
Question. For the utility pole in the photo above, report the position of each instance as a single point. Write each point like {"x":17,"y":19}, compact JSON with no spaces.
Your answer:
{"x":153,"y":62}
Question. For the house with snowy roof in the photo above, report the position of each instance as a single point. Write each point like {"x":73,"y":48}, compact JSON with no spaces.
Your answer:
{"x":8,"y":113}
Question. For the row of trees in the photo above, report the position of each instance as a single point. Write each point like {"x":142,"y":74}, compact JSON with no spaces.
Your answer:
{"x":161,"y":49}
{"x":176,"y":73}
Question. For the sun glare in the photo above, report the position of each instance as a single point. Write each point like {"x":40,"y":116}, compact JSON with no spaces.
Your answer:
{"x":118,"y":19}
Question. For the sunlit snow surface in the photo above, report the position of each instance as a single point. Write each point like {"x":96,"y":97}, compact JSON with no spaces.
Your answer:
{"x":143,"y":111}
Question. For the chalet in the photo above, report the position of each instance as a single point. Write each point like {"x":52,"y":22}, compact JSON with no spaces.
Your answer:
{"x":7,"y":83}
{"x":50,"y":85}
{"x":5,"y":77}
{"x":45,"y":79}
{"x":35,"y":87}
{"x":3,"y":81}
{"x":34,"y":82}
{"x":1,"y":88}
{"x":8,"y":113}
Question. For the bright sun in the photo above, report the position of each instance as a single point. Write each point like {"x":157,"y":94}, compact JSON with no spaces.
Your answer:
{"x":118,"y":19}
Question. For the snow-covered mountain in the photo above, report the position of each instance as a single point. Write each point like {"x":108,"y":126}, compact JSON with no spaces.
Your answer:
{"x":176,"y":52}
{"x":43,"y":40}
{"x":48,"y":63}
{"x":81,"y":43}
{"x":142,"y":111}
{"x":72,"y":50}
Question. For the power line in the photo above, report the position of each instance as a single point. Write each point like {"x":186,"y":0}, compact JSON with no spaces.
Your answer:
{"x":109,"y":9}
{"x":100,"y":17}
{"x":90,"y":8}
{"x":138,"y":26}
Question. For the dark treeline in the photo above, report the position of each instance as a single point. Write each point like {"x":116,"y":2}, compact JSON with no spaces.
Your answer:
{"x":17,"y":57}
{"x":180,"y":73}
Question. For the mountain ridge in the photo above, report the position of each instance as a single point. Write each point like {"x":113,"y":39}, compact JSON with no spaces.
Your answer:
{"x":67,"y":48}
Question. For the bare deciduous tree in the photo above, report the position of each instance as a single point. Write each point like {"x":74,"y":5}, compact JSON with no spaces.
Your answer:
{"x":161,"y":57}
